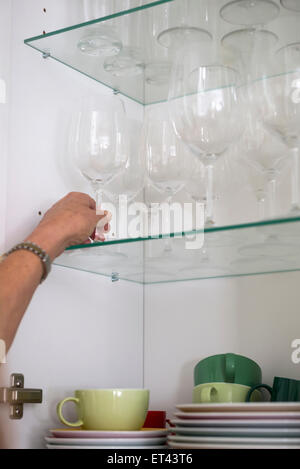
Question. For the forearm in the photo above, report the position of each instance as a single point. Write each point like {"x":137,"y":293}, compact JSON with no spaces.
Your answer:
{"x":70,"y":221}
{"x":20,"y":275}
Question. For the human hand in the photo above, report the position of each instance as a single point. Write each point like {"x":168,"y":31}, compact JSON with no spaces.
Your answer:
{"x":72,"y":220}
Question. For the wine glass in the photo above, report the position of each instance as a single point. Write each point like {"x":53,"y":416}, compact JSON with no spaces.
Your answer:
{"x":277,"y":104}
{"x":255,"y":181}
{"x":196,"y":186}
{"x":178,"y":22}
{"x":158,"y":60}
{"x":202,"y":258}
{"x":277,"y":98}
{"x":127,"y":185}
{"x":293,"y":5}
{"x":166,"y":165}
{"x":250,"y":45}
{"x":266,"y":155}
{"x":129,"y":62}
{"x":250,"y":12}
{"x":206,"y":108}
{"x":99,"y":142}
{"x":100,"y":40}
{"x":246,"y":50}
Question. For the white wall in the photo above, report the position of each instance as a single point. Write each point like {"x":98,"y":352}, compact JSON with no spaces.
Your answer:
{"x":80,"y":331}
{"x":83,"y":331}
{"x":254,"y":316}
{"x":5,"y":45}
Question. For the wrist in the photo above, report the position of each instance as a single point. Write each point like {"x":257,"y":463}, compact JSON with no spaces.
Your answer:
{"x":38,"y":252}
{"x":48,"y":241}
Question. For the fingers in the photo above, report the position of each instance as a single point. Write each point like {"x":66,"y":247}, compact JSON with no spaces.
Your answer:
{"x":92,"y":203}
{"x":103,"y":222}
{"x":101,"y":236}
{"x":100,"y":218}
{"x":83,"y":198}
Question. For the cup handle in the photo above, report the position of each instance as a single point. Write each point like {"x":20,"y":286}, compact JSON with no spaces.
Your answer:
{"x":171,"y":425}
{"x":207,"y":393}
{"x":251,"y":391}
{"x":230,"y":367}
{"x":79,"y":422}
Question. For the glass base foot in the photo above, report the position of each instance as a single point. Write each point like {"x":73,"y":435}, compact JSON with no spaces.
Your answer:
{"x":179,"y":35}
{"x":128,"y":63}
{"x":100,"y":43}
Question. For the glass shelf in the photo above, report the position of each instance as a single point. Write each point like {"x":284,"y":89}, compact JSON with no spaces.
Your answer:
{"x":140,"y":31}
{"x":62,"y":45}
{"x":271,"y":246}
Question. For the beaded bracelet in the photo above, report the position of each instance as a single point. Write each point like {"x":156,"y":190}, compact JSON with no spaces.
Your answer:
{"x":35,"y":249}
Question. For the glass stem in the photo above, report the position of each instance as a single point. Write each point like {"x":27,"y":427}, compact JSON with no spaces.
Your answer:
{"x":168,"y":244}
{"x":99,"y":200}
{"x":261,"y":203}
{"x":209,"y":219}
{"x":295,"y":179}
{"x":272,"y":192}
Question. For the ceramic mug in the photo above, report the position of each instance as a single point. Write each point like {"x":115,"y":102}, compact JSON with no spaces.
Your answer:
{"x":108,"y":409}
{"x":228,"y":368}
{"x":283,"y":390}
{"x":223,"y":392}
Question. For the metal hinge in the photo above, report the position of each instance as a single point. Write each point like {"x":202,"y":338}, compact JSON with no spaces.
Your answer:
{"x":17,"y":395}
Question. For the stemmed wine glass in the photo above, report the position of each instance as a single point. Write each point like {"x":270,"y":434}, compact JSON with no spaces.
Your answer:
{"x":127,"y":185}
{"x":250,"y":12}
{"x":179,"y":22}
{"x":166,"y":167}
{"x":254,"y":181}
{"x":246,"y":50}
{"x":206,"y":109}
{"x":250,"y":44}
{"x":196,"y":186}
{"x":202,"y":259}
{"x":278,"y":105}
{"x":265,"y":155}
{"x":129,"y":61}
{"x":100,"y":40}
{"x":99,"y":142}
{"x":169,"y":25}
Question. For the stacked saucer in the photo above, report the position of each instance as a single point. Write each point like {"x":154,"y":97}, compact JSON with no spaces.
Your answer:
{"x":90,"y":439}
{"x":263,"y":425}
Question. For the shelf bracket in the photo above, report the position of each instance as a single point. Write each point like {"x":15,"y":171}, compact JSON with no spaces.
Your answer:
{"x":115,"y":277}
{"x":46,"y":55}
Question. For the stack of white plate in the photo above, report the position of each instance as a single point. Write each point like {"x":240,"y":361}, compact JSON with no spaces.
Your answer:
{"x":88,"y":439}
{"x":264,"y":425}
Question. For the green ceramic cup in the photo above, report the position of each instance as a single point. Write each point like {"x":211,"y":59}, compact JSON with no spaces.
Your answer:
{"x":223,"y":392}
{"x":228,"y":368}
{"x":108,"y":409}
{"x":283,"y":390}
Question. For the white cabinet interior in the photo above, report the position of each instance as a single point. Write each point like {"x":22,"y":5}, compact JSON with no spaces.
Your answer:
{"x":82,"y":330}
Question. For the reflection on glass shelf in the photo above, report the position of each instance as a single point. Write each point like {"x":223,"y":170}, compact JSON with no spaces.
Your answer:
{"x":229,"y":251}
{"x":125,"y":51}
